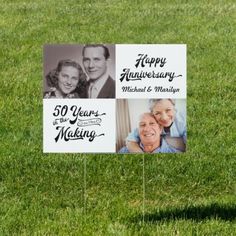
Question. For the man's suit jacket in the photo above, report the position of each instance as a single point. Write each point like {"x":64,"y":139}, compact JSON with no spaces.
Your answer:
{"x":108,"y":90}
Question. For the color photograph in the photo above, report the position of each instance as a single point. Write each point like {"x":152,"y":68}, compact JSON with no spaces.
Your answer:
{"x":151,"y":125}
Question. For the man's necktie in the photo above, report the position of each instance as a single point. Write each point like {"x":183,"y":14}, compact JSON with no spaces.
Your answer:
{"x":91,"y":90}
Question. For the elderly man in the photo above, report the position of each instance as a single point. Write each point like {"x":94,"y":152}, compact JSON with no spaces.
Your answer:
{"x":150,"y":136}
{"x":95,"y":58}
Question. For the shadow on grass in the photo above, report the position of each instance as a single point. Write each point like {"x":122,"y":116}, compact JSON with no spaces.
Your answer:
{"x":194,"y":213}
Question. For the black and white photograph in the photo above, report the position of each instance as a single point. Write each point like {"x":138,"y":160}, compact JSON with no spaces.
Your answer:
{"x":79,"y":71}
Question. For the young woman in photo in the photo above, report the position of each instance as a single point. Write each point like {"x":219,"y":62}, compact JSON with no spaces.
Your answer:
{"x":66,"y":81}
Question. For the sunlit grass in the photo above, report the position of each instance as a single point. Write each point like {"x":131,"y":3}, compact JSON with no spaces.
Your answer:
{"x":189,"y":194}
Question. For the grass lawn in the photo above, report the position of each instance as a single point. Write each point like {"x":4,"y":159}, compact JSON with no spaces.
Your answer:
{"x":169,"y":194}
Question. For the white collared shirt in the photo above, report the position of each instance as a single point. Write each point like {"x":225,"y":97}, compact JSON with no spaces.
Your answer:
{"x":95,"y":87}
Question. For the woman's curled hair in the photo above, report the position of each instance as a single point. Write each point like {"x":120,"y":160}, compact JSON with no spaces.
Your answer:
{"x":52,"y":76}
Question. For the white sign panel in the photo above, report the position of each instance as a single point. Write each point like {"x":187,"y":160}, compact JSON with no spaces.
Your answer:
{"x":79,"y":125}
{"x":150,"y":71}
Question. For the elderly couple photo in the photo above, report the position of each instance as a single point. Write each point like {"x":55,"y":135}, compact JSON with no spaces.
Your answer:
{"x":159,"y":126}
{"x":81,"y":71}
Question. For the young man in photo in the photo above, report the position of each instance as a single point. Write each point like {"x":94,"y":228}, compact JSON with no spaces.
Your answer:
{"x":95,"y":61}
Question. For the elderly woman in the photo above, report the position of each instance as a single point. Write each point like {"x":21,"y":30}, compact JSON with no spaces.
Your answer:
{"x":66,"y":81}
{"x":173,"y":123}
